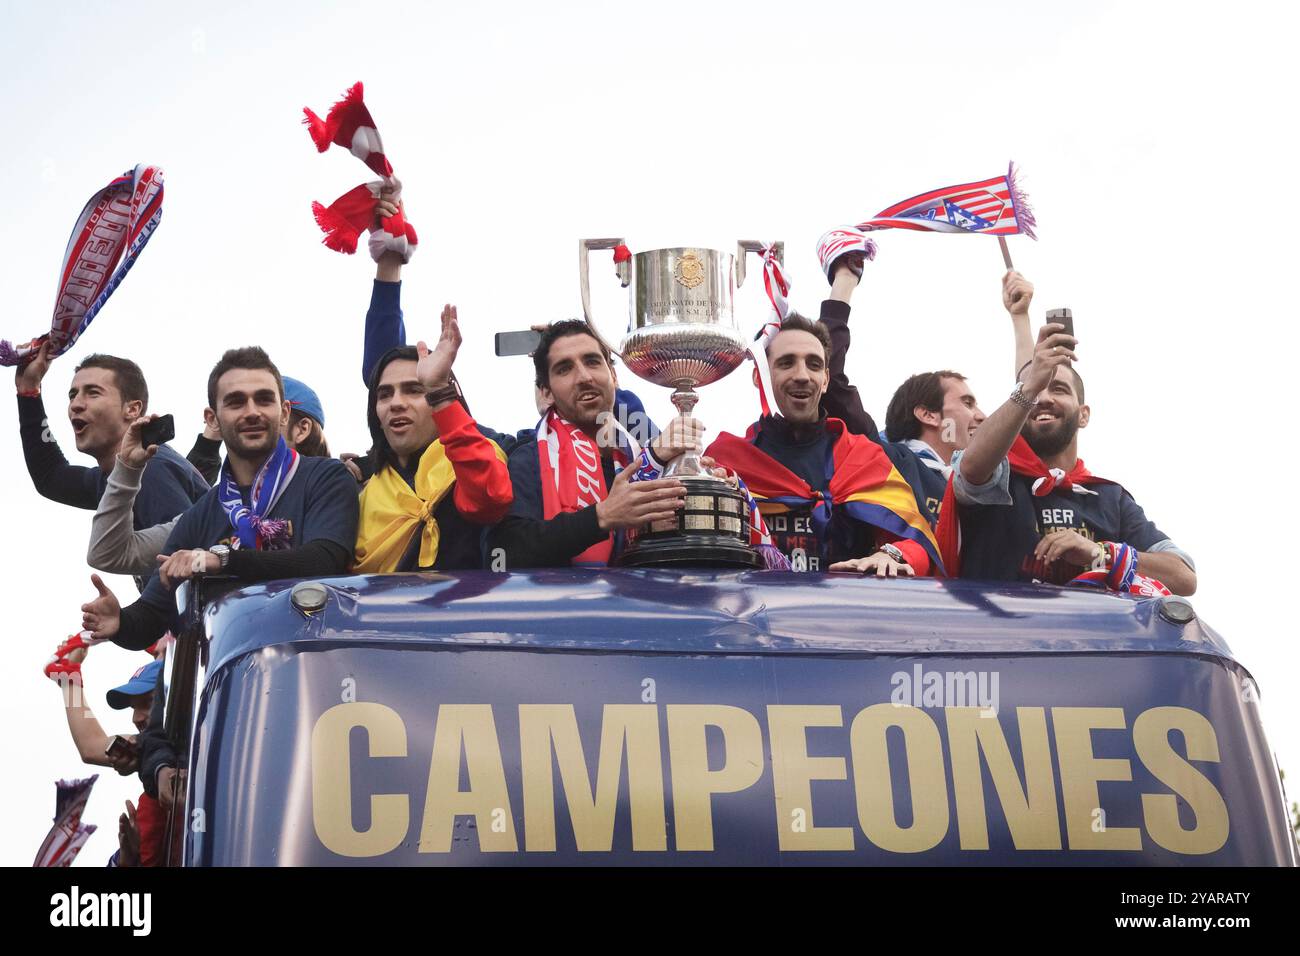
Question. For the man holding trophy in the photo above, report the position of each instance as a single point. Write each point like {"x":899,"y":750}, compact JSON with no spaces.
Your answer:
{"x":573,"y":488}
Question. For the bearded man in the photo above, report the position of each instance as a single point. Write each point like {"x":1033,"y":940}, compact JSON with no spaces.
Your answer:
{"x":1029,"y":508}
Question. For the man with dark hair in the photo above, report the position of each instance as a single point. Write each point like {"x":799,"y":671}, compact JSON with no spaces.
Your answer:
{"x":273,"y":513}
{"x":107,"y":394}
{"x":1030,"y":510}
{"x":932,"y":415}
{"x":386,"y":330}
{"x":438,"y":481}
{"x":831,"y":498}
{"x":573,"y":487}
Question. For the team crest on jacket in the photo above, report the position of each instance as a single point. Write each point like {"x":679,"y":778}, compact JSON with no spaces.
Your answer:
{"x":689,"y":270}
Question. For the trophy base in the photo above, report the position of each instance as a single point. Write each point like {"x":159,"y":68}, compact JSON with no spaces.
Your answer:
{"x":711,"y":531}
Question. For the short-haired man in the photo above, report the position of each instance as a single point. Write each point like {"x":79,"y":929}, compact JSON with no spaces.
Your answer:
{"x":1030,"y":509}
{"x":933,"y":414}
{"x":831,"y":498}
{"x":273,"y":513}
{"x":438,"y":481}
{"x":107,"y":394}
{"x":573,"y":487}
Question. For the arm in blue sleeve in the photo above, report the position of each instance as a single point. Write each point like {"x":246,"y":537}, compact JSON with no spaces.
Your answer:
{"x":384,"y":326}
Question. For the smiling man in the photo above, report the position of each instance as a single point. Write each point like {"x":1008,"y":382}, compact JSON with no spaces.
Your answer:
{"x":832,"y":499}
{"x":573,"y":487}
{"x":273,"y":513}
{"x":1030,"y":510}
{"x":106,"y":395}
{"x":438,"y":480}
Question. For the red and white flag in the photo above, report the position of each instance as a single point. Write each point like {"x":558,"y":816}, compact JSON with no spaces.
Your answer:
{"x":994,"y":207}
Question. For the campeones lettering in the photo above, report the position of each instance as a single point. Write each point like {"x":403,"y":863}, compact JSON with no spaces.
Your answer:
{"x":697,"y":770}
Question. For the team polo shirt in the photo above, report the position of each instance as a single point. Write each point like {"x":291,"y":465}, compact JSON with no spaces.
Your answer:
{"x":1002,"y":522}
{"x":320,"y":502}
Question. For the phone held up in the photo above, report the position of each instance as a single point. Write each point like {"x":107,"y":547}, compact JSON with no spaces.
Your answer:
{"x":518,"y":343}
{"x":161,"y":429}
{"x":1064,"y":317}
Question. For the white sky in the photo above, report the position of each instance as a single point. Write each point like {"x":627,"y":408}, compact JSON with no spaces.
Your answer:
{"x":1156,"y":139}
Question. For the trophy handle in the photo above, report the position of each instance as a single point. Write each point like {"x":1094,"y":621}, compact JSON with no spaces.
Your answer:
{"x":622,"y":269}
{"x":745,"y":246}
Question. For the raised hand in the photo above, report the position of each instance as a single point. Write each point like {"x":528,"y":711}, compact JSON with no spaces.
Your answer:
{"x":1054,"y":349}
{"x":1017,"y":293}
{"x":28,"y":377}
{"x":434,"y":368}
{"x":132,"y":452}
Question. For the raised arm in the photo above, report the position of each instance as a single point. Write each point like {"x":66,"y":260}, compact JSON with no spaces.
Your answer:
{"x":53,"y":477}
{"x":1017,"y":293}
{"x":483,"y":492}
{"x":115,"y":546}
{"x":384,"y":327}
{"x":994,"y":438}
{"x":842,"y":399}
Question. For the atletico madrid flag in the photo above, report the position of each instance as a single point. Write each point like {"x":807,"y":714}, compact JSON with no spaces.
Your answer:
{"x":994,"y":207}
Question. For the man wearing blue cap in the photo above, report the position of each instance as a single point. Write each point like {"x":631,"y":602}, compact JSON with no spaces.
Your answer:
{"x":140,"y":828}
{"x":306,"y":432}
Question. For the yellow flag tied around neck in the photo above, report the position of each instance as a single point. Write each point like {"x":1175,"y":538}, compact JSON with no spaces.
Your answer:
{"x":391,"y":513}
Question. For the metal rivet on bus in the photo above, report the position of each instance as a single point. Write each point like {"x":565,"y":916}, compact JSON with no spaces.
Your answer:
{"x":1177,"y":610}
{"x":309,"y":596}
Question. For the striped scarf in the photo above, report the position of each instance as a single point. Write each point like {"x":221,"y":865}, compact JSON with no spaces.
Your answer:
{"x":108,"y":237}
{"x":252,"y":528}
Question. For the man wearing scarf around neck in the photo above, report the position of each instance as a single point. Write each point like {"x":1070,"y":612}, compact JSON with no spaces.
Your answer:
{"x":1028,"y":508}
{"x":573,"y":480}
{"x":826,"y":493}
{"x":439,"y":481}
{"x":272,"y":514}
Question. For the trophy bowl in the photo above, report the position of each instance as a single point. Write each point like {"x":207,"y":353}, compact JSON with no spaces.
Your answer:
{"x":682,"y":333}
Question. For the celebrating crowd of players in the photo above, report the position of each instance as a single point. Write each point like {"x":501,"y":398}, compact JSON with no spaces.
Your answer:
{"x":944,"y":490}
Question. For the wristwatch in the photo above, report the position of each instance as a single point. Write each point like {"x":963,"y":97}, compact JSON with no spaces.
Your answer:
{"x":447,"y":393}
{"x":223,"y":555}
{"x":1020,"y":398}
{"x":894,"y":553}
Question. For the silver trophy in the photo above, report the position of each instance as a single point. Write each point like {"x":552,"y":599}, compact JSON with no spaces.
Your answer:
{"x":682,"y":333}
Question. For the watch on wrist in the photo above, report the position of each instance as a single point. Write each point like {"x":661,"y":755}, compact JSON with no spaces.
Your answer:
{"x":446,"y":393}
{"x":1019,"y":396}
{"x":894,"y":553}
{"x":223,"y":554}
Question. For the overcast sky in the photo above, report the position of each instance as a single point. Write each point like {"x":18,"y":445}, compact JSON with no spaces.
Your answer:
{"x":1157,"y":142}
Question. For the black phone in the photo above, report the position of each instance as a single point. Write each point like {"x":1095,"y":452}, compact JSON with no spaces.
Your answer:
{"x":119,"y":746}
{"x":162,"y":429}
{"x":518,"y":343}
{"x":1063,"y":316}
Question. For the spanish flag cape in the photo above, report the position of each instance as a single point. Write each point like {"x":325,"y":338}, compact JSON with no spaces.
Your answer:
{"x":1024,"y":461}
{"x":392,"y":514}
{"x":864,"y":484}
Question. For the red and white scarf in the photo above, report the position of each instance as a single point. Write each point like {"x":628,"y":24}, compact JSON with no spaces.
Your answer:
{"x":1024,"y":461}
{"x":1118,"y":572}
{"x":109,"y":236}
{"x":349,"y":124}
{"x":777,"y":287}
{"x":839,"y":242}
{"x":572,"y":477}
